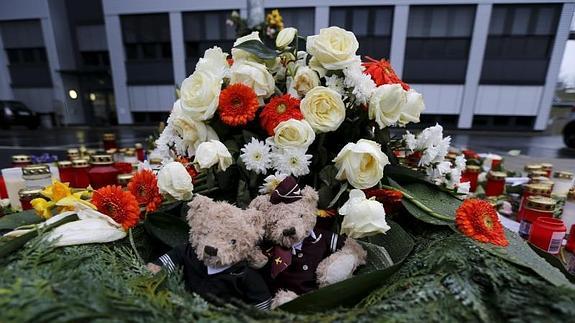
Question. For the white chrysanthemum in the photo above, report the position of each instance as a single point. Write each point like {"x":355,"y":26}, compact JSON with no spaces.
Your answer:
{"x":460,"y":162}
{"x":361,"y":83}
{"x":291,"y":161}
{"x":463,"y":188}
{"x":410,"y":141}
{"x":453,"y":178}
{"x":271,"y":182}
{"x":335,"y":83}
{"x":442,"y":149}
{"x":256,"y":156}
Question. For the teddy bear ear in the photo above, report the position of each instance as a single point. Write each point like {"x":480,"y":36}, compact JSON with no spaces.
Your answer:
{"x":198,"y":204}
{"x":261,"y":203}
{"x":310,"y":195}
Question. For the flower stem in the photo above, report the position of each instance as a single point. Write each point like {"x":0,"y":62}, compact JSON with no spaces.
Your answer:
{"x":420,"y":205}
{"x":133,"y":244}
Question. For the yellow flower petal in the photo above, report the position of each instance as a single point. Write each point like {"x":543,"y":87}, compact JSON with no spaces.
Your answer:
{"x":70,"y":201}
{"x":42,"y":207}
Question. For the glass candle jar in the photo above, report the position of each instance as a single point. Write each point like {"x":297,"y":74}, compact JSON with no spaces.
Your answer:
{"x":563,"y":183}
{"x":124,"y":179}
{"x":21,"y":160}
{"x":73,"y":153}
{"x":109,"y":141}
{"x":542,"y":180}
{"x":547,"y":234}
{"x":548,"y":168}
{"x":14,"y":183}
{"x":81,"y":178}
{"x":28,"y":194}
{"x":535,"y":207}
{"x":496,"y":161}
{"x":130,"y":156}
{"x":532,"y":190}
{"x":66,"y":171}
{"x":37,"y":175}
{"x":3,"y":191}
{"x":155,"y":164}
{"x":537,"y":174}
{"x":495,"y":185}
{"x":140,"y":153}
{"x":530,"y":168}
{"x":568,"y":215}
{"x":570,"y":246}
{"x":103,"y":172}
{"x":471,"y":175}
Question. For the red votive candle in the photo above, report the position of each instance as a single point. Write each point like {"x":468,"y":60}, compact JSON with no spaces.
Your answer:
{"x":140,"y":153}
{"x":471,"y":175}
{"x":21,"y":160}
{"x":570,"y":246}
{"x":109,"y":141}
{"x":547,"y":234}
{"x":28,"y":194}
{"x":496,"y":162}
{"x":533,"y":189}
{"x":547,"y":167}
{"x":3,"y":190}
{"x":495,"y":183}
{"x":103,"y":172}
{"x":66,"y":171}
{"x":81,"y":178}
{"x":535,"y":207}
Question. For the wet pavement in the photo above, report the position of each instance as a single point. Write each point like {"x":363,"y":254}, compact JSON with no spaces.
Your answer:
{"x":533,"y":146}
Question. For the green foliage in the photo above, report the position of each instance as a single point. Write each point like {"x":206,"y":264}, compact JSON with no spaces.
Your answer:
{"x":14,"y":220}
{"x":257,"y":48}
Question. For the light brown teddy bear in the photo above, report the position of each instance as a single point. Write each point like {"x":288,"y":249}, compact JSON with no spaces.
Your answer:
{"x":302,"y":257}
{"x":218,"y":260}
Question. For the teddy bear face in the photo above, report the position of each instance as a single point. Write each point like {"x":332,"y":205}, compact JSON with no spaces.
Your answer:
{"x":288,"y":224}
{"x":222,"y":234}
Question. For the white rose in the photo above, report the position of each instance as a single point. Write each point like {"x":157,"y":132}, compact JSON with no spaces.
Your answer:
{"x":362,"y":217}
{"x":413,"y":107}
{"x":334,"y":48}
{"x":211,"y":153}
{"x":361,"y":163}
{"x":200,"y":93}
{"x":254,"y":75}
{"x":323,"y":108}
{"x":192,"y":132}
{"x":386,"y":103}
{"x":242,"y":55}
{"x":293,"y":133}
{"x":215,"y":61}
{"x":304,"y":80}
{"x":285,"y":37}
{"x":174,"y":180}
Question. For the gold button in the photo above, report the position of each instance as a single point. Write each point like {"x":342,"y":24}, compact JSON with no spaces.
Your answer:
{"x":304,"y":267}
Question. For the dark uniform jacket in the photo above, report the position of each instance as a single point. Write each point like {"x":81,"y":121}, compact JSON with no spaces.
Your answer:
{"x":294,"y":269}
{"x":238,"y":281}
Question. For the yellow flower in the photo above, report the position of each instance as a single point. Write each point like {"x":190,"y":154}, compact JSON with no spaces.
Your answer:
{"x":69,"y":202}
{"x":57,"y":191}
{"x":43,"y":208}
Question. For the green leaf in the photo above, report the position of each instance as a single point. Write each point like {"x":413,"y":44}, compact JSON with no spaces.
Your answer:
{"x":327,"y":175}
{"x":14,"y":220}
{"x":257,"y":48}
{"x":403,"y":174}
{"x":243,"y":197}
{"x":553,"y":261}
{"x":396,"y":242}
{"x":519,"y":253}
{"x":171,"y":230}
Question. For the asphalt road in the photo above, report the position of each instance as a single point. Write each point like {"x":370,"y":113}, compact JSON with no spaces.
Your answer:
{"x":533,"y":146}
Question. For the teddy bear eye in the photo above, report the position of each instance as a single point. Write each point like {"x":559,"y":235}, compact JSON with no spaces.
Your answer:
{"x":301,"y":215}
{"x":233,"y":241}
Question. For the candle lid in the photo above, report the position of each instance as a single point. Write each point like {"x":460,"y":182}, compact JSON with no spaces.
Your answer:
{"x":91,"y":151}
{"x":30,"y":192}
{"x":101,"y":160}
{"x":36,"y":170}
{"x":109,"y":136}
{"x":64,"y":164}
{"x":473,"y":168}
{"x":80,"y":163}
{"x":122,"y":150}
{"x":538,"y":189}
{"x":130,"y":152}
{"x":73,"y":151}
{"x":571,"y":194}
{"x":111,"y":151}
{"x":546,"y":166}
{"x":533,"y":167}
{"x":563,"y":175}
{"x":540,"y":203}
{"x":497,"y":175}
{"x":138,"y":146}
{"x":537,"y":173}
{"x":21,"y":159}
{"x":124,"y":179}
{"x":155,"y":161}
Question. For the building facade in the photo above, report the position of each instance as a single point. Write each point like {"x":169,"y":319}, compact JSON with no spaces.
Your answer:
{"x":482,"y":63}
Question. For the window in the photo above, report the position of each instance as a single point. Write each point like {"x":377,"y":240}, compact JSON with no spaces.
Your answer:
{"x":372,"y":27}
{"x":437,"y":45}
{"x":95,"y":58}
{"x":147,"y":47}
{"x":26,"y":56}
{"x":303,"y":19}
{"x":519,"y":44}
{"x":203,"y":30}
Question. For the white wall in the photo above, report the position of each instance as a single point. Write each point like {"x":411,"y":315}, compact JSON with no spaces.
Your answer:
{"x":151,"y":98}
{"x":508,"y":100}
{"x":440,"y":98}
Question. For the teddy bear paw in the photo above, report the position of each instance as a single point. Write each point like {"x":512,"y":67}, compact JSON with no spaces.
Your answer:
{"x":282,"y":296}
{"x":339,"y":268}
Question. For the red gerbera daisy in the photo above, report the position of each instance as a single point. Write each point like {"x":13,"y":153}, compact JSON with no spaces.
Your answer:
{"x":280,"y":108}
{"x":381,"y":72}
{"x":144,"y":186}
{"x":118,"y":204}
{"x":391,"y":199}
{"x":478,"y":220}
{"x":238,"y":105}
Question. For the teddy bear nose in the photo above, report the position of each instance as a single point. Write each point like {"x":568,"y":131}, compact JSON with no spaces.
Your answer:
{"x":210,"y":251}
{"x":289,"y":232}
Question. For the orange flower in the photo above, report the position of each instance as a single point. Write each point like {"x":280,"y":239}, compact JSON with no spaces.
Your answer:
{"x":238,"y":105}
{"x":280,"y":108}
{"x":144,"y":186}
{"x":118,"y":204}
{"x":381,"y":72}
{"x":478,"y":220}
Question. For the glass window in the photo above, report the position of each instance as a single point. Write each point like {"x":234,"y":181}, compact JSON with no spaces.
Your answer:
{"x":301,"y":18}
{"x":203,"y":30}
{"x":519,"y":43}
{"x":371,"y":25}
{"x":437,"y":45}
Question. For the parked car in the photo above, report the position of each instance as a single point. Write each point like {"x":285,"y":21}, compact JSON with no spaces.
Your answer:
{"x":569,"y":130}
{"x":17,"y":113}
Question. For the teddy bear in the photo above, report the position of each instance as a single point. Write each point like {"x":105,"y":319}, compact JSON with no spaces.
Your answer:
{"x":219,"y":259}
{"x":302,"y":256}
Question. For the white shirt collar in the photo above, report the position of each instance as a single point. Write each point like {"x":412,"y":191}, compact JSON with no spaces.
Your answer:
{"x":216,"y":270}
{"x":298,"y":245}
